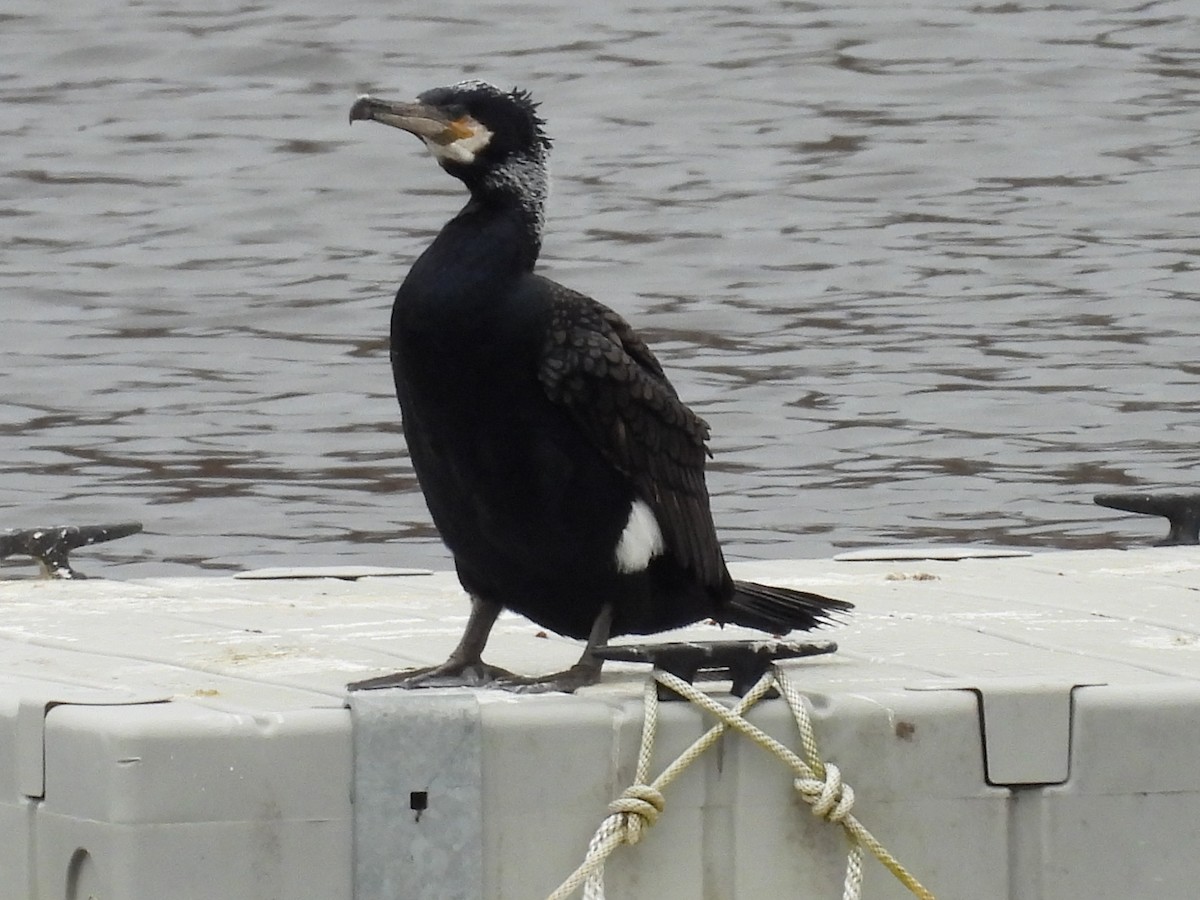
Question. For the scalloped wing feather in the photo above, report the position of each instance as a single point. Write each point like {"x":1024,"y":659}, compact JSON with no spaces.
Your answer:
{"x":595,"y":365}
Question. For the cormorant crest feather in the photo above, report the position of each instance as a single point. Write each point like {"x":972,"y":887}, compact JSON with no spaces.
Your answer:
{"x":525,"y":100}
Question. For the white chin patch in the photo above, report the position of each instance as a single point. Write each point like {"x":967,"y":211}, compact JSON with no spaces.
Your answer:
{"x":463,"y":150}
{"x":641,"y":540}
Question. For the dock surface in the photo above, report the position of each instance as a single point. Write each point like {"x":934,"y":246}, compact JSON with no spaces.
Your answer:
{"x":1012,"y":726}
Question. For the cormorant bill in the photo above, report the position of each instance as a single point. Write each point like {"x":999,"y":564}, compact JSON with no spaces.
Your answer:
{"x":560,"y":467}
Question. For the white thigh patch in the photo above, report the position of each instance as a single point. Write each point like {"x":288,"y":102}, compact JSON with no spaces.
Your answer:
{"x":641,"y":540}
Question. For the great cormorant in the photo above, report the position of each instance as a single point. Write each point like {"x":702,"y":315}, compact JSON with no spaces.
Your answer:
{"x":559,"y":464}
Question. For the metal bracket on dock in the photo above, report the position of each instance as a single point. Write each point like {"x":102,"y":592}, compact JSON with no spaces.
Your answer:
{"x":50,"y":546}
{"x":744,"y":662}
{"x":1181,"y":510}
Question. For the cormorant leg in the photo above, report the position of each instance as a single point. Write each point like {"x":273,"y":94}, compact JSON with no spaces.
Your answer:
{"x":464,"y":667}
{"x":586,"y":671}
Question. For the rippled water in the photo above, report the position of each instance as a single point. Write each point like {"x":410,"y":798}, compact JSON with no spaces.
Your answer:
{"x":929,"y":270}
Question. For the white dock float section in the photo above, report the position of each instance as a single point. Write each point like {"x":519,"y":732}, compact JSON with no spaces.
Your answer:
{"x":1021,"y":727}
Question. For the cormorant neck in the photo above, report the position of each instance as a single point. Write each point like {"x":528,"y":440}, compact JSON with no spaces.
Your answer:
{"x":489,"y":244}
{"x":514,"y":231}
{"x":516,"y":188}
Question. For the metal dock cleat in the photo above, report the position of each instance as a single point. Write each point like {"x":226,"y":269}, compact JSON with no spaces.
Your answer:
{"x":1181,"y":510}
{"x":50,"y":546}
{"x":743,"y":662}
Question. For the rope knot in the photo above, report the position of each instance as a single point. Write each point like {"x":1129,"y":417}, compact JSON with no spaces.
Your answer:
{"x":640,"y":805}
{"x":820,"y":784}
{"x":828,"y":797}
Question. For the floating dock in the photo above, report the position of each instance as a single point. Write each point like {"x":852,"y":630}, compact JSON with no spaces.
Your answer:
{"x":1012,"y":726}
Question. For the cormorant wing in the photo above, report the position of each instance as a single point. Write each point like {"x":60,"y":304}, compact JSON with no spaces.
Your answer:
{"x":594,"y":364}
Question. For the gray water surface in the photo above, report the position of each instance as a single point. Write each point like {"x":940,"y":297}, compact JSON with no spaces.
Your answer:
{"x":929,"y":270}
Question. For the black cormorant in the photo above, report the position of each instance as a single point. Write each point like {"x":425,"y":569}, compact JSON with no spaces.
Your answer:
{"x":559,"y":465}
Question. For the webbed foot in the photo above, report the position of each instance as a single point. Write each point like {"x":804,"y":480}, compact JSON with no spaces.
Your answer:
{"x":568,"y":681}
{"x":451,"y":673}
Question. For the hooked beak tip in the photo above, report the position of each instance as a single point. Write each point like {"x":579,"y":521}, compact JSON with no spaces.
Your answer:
{"x":361,"y":108}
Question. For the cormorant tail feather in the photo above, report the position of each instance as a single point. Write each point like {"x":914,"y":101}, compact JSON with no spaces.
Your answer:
{"x":779,"y":610}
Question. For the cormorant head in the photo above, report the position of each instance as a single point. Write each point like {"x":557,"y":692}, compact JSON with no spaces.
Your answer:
{"x":490,"y":138}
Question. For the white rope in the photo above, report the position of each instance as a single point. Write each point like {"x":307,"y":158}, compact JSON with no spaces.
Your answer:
{"x":626,"y":826}
{"x":818,"y":783}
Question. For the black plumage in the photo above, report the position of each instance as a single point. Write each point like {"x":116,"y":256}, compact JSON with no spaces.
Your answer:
{"x":559,"y":464}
